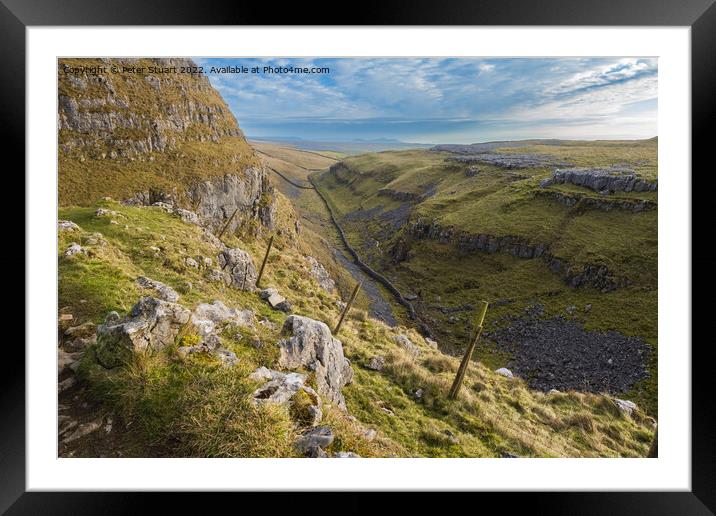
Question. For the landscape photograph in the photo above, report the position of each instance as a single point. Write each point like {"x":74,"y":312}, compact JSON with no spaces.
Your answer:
{"x":450,"y":257}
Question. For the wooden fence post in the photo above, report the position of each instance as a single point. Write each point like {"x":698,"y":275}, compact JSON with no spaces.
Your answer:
{"x":457,"y":383}
{"x":246,"y":273}
{"x":347,"y":307}
{"x":263,"y":264}
{"x":227,"y":223}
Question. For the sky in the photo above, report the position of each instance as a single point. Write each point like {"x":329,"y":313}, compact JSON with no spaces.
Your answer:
{"x":442,"y":100}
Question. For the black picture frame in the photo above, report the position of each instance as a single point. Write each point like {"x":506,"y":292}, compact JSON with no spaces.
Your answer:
{"x":700,"y":15}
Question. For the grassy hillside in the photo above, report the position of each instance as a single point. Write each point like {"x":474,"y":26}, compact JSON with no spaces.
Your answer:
{"x":379,"y":195}
{"x":163,"y":406}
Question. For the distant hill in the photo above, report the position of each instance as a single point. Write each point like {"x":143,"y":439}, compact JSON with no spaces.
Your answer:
{"x":352,"y":147}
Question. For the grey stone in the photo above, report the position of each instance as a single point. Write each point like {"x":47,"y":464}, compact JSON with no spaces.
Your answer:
{"x":82,"y":330}
{"x":207,"y":317}
{"x":407,"y":344}
{"x":430,"y":342}
{"x":67,"y":225}
{"x":280,"y":389}
{"x":308,"y":343}
{"x":84,"y":429}
{"x":320,"y":274}
{"x":188,"y":216}
{"x":319,"y":437}
{"x":240,"y":266}
{"x":191,"y":262}
{"x":346,"y":455}
{"x":625,"y":406}
{"x":503,"y":371}
{"x":376,"y":363}
{"x":164,"y":292}
{"x":152,"y":324}
{"x":74,"y":249}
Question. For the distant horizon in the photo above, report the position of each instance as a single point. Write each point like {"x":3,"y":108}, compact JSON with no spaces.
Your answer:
{"x":440,"y":100}
{"x":285,"y":138}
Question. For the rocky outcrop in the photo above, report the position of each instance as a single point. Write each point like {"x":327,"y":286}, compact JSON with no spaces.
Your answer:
{"x":607,"y":180}
{"x":308,"y":343}
{"x":151,"y":325}
{"x":593,"y":275}
{"x":99,"y":111}
{"x":240,"y":267}
{"x":111,"y":121}
{"x":598,"y":203}
{"x":511,"y":160}
{"x":320,"y":274}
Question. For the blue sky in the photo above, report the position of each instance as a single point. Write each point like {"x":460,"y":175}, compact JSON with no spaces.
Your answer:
{"x":444,"y":100}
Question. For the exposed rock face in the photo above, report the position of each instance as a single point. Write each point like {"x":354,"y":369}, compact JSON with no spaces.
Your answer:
{"x":614,"y":179}
{"x":98,"y":115}
{"x":594,"y":275}
{"x":111,"y":120}
{"x":510,"y":160}
{"x":151,"y":324}
{"x":240,"y":266}
{"x":309,"y":343}
{"x":603,"y":204}
{"x":320,"y":274}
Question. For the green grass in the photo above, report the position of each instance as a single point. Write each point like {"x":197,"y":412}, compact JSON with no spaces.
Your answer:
{"x":504,"y":202}
{"x":195,"y":407}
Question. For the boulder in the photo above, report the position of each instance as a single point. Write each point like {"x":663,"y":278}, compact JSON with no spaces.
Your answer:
{"x":430,"y":342}
{"x":376,"y":363}
{"x":162,"y":291}
{"x":346,"y":455}
{"x":207,"y":317}
{"x":152,"y":324}
{"x":407,"y":344}
{"x":67,"y":225}
{"x":314,"y":440}
{"x":276,"y":300}
{"x":74,"y":249}
{"x":187,"y":216}
{"x":309,"y":343}
{"x":280,"y":388}
{"x":503,"y":371}
{"x":625,"y":406}
{"x":240,"y":267}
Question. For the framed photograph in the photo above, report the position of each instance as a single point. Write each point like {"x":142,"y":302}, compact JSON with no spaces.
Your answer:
{"x":428,"y":243}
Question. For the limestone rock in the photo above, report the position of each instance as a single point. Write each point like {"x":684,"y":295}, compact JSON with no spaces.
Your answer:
{"x":346,"y":455}
{"x":240,"y":266}
{"x":407,"y":344}
{"x":320,"y":274}
{"x":316,"y":439}
{"x":152,"y":324}
{"x":82,"y":330}
{"x":207,"y":317}
{"x":503,"y":371}
{"x":376,"y":363}
{"x":625,"y":406}
{"x":67,"y":225}
{"x":163,"y":292}
{"x":74,"y":249}
{"x":187,"y":216}
{"x":280,"y":389}
{"x":309,"y":343}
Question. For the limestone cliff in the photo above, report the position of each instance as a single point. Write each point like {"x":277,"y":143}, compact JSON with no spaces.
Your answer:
{"x":152,"y":130}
